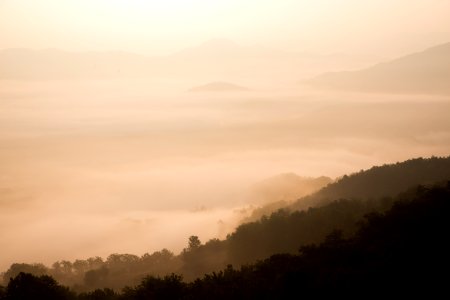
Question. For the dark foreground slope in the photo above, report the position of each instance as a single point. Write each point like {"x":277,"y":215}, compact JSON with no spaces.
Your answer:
{"x":340,"y":206}
{"x":403,"y":251}
{"x":377,"y":182}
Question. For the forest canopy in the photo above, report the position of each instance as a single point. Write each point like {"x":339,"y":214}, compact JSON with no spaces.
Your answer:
{"x":397,"y":251}
{"x":283,"y":231}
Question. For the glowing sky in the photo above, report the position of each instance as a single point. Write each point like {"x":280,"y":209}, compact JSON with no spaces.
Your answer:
{"x":159,"y":27}
{"x":92,"y":166}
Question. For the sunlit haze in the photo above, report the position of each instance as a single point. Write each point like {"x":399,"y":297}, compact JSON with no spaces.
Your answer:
{"x":127,"y":126}
{"x":383,"y":27}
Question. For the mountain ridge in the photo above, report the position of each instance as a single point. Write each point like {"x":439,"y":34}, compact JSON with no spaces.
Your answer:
{"x":219,"y":86}
{"x":217,"y":58}
{"x":426,"y":71}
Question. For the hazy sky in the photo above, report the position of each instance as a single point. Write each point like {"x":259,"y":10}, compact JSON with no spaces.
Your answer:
{"x":383,"y":27}
{"x":96,"y":166}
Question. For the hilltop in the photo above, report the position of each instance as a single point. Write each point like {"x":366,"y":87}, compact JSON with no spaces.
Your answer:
{"x":219,"y":86}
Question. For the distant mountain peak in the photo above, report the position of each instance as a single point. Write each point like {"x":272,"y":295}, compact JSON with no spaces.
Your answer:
{"x":218,"y":86}
{"x":425,"y":72}
{"x":219,"y":43}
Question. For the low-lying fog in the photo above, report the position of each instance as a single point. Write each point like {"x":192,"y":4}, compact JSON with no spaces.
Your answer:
{"x":93,"y":168}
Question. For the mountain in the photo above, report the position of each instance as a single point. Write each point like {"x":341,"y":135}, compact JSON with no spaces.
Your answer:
{"x":377,"y":182}
{"x":223,"y":49}
{"x":51,"y":64}
{"x":217,"y":58}
{"x":426,"y":72}
{"x":369,"y":193}
{"x":380,"y":181}
{"x":226,"y":59}
{"x":219,"y":86}
{"x":401,"y":251}
{"x":340,"y":205}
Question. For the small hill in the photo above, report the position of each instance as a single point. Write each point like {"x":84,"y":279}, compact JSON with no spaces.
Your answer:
{"x":426,"y":72}
{"x":219,"y":87}
{"x":278,"y":191}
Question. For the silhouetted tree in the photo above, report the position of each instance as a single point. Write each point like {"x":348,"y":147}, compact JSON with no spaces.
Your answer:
{"x":170,"y":287}
{"x":94,"y":278}
{"x":29,"y":287}
{"x":194,"y":242}
{"x":16,"y":269}
{"x":2,"y":292}
{"x":105,"y":294}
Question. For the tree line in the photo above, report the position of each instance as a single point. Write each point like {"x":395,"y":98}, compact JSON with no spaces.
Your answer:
{"x":284,"y":231}
{"x":400,"y":252}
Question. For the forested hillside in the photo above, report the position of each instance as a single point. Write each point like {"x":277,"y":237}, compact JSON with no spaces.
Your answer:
{"x":400,"y":251}
{"x":380,"y":181}
{"x":339,"y":206}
